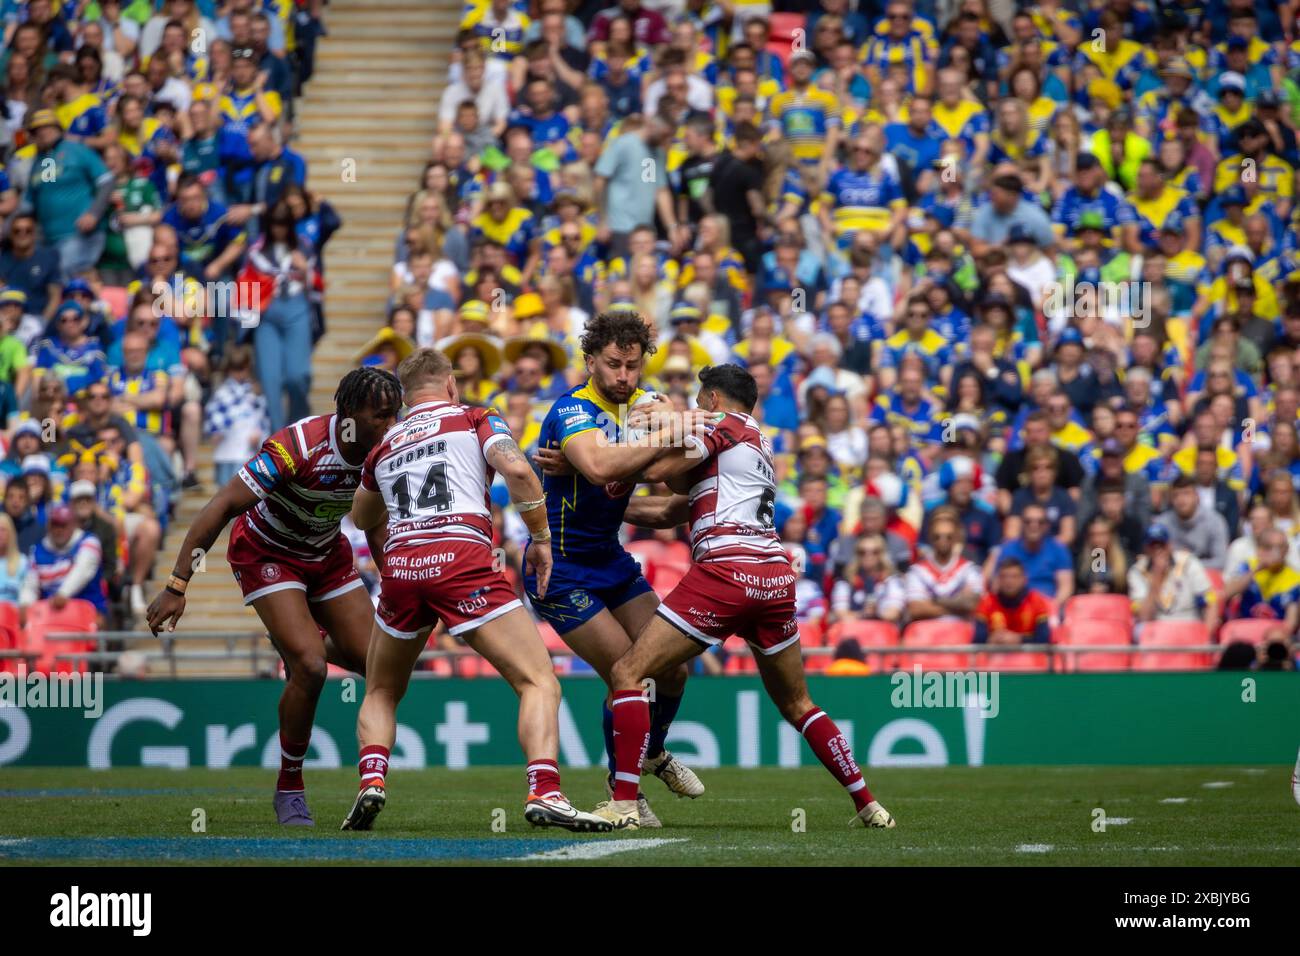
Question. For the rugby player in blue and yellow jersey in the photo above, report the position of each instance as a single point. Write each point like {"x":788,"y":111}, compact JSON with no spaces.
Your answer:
{"x":598,"y":600}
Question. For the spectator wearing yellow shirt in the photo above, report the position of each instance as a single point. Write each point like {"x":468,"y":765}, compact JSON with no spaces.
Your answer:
{"x":249,"y":102}
{"x":806,"y":116}
{"x":140,"y":394}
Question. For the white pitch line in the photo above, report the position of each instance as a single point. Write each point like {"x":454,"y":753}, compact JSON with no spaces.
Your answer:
{"x":1175,"y":800}
{"x":1118,"y":821}
{"x":1217,"y":785}
{"x":595,"y":851}
{"x":1034,"y":848}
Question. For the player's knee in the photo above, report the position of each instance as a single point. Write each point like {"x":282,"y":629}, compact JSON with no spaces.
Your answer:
{"x":673,"y":680}
{"x":624,"y":674}
{"x":549,"y":685}
{"x":308,"y":670}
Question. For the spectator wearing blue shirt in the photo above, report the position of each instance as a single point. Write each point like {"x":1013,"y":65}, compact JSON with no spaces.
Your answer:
{"x":1007,"y":207}
{"x":210,"y":242}
{"x":1046,"y":561}
{"x":539,"y":116}
{"x":911,"y":142}
{"x":823,"y":524}
{"x":30,"y":268}
{"x":277,"y":169}
{"x":776,"y":396}
{"x":73,"y":356}
{"x":1089,"y":202}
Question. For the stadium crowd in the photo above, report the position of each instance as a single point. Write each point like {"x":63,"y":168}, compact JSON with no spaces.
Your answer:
{"x":1019,"y":283}
{"x":148,"y":189}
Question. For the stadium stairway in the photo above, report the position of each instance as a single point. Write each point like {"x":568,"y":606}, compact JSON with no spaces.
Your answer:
{"x":370,"y":108}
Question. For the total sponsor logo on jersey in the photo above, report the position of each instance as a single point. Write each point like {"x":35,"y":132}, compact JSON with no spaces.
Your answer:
{"x":420,"y":567}
{"x":760,"y":587}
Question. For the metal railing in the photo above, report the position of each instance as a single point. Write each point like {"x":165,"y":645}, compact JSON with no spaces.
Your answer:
{"x":262,"y":659}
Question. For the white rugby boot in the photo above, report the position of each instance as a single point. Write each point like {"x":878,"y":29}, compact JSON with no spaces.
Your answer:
{"x":678,"y":777}
{"x":874,"y":817}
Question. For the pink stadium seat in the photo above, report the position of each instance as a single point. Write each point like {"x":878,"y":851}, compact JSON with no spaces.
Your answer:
{"x":675,"y":568}
{"x":550,"y":638}
{"x":1099,"y":607}
{"x":12,"y":637}
{"x":1012,"y":662}
{"x":484,"y":669}
{"x":1247,"y":629}
{"x":868,"y":634}
{"x":76,"y":616}
{"x":1216,"y":579}
{"x":676,"y":551}
{"x":740,"y":664}
{"x":117,"y":300}
{"x":812,"y":633}
{"x":667,"y":578}
{"x":513,"y":579}
{"x":936,"y":634}
{"x":815,"y":663}
{"x":1186,"y":633}
{"x":441,"y":667}
{"x":647,"y":555}
{"x":1094,"y":633}
{"x":782,"y":33}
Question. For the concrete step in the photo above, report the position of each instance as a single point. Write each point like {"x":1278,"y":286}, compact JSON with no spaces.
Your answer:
{"x":396,"y":49}
{"x":361,"y":85}
{"x":343,"y":102}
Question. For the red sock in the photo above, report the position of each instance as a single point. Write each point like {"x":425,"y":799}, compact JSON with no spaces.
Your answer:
{"x":543,"y":777}
{"x":833,"y":751}
{"x":631,"y":737}
{"x":291,"y":757}
{"x":373,"y":765}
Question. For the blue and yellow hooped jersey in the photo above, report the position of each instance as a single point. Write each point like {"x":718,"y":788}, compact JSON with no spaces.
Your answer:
{"x":1270,"y":593}
{"x":121,"y":383}
{"x":83,"y":116}
{"x":805,"y":118}
{"x":584,"y":518}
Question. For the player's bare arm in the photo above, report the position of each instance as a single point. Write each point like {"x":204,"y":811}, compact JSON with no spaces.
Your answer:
{"x":370,"y":515}
{"x":507,"y":460}
{"x":601,"y":462}
{"x":368,"y":510}
{"x":657,"y":511}
{"x":226,"y":505}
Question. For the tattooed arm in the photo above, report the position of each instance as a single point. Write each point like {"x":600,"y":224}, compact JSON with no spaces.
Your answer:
{"x":525,"y":489}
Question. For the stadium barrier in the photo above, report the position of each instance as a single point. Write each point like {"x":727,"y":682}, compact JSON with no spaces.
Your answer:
{"x":909,"y":718}
{"x":262,"y":659}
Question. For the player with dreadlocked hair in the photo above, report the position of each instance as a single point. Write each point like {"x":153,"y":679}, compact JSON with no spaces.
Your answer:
{"x":291,"y":562}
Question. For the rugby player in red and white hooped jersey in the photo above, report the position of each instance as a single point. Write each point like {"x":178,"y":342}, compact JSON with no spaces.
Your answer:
{"x":740,"y":582}
{"x":290,"y":560}
{"x":425,"y":507}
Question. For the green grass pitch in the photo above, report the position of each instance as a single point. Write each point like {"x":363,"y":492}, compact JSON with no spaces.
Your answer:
{"x":1203,"y":816}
